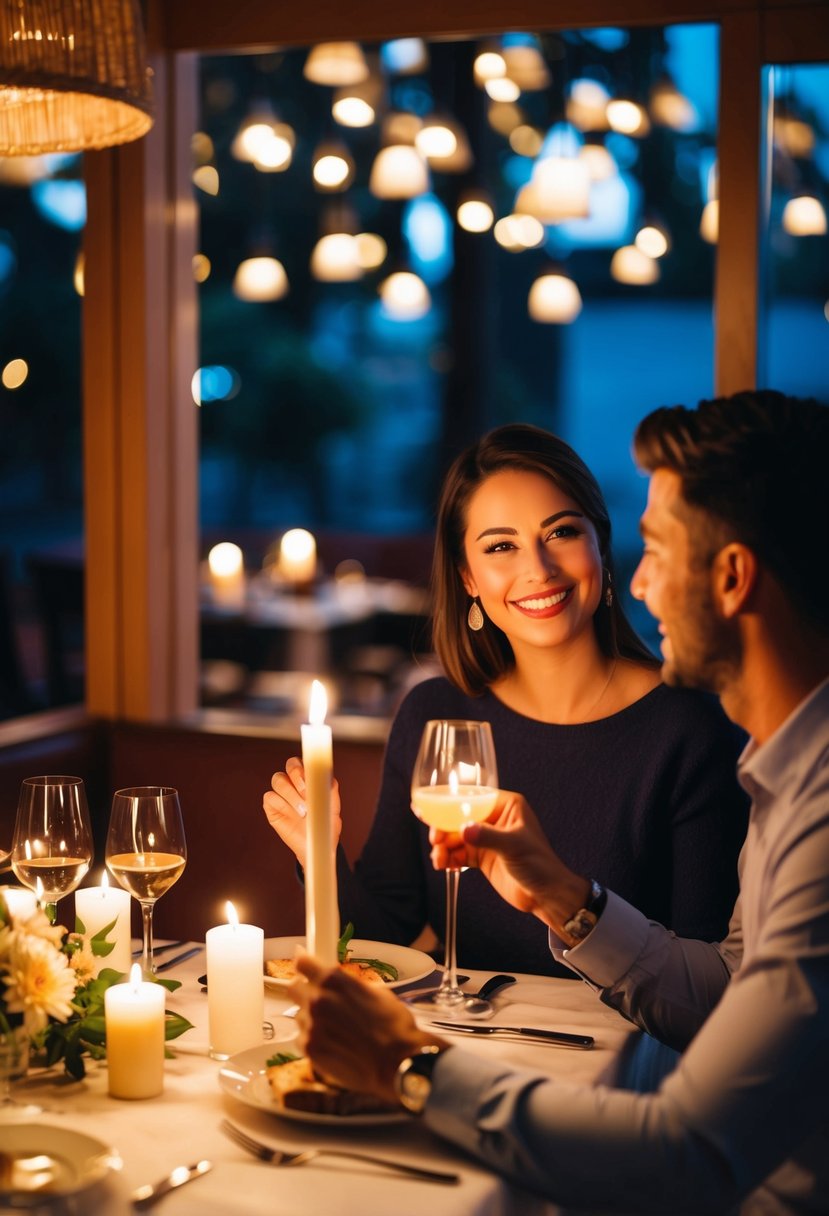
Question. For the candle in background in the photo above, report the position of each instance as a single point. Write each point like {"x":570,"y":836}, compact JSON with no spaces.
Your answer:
{"x":97,"y":907}
{"x":226,"y":566}
{"x":20,"y":901}
{"x":321,"y":913}
{"x":235,"y":986}
{"x":298,"y":557}
{"x":134,"y":1015}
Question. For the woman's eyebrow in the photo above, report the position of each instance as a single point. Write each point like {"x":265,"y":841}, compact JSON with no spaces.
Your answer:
{"x":545,"y":523}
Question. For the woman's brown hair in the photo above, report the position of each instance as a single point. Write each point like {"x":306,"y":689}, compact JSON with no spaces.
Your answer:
{"x":474,"y":660}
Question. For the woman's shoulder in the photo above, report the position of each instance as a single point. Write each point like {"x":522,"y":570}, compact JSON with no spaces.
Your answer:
{"x":434,"y":697}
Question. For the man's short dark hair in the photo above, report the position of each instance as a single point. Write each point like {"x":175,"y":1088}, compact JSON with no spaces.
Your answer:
{"x":757,"y":465}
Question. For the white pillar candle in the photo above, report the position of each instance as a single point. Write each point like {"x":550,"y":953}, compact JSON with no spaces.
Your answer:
{"x":97,"y":907}
{"x":235,"y":986}
{"x":298,"y":557}
{"x":20,"y":901}
{"x":226,"y":565}
{"x":134,"y":1015}
{"x":321,"y":913}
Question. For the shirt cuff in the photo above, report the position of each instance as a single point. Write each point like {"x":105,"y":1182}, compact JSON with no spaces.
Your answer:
{"x":610,"y":948}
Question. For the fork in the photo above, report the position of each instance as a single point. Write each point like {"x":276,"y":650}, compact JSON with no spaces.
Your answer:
{"x":280,"y":1156}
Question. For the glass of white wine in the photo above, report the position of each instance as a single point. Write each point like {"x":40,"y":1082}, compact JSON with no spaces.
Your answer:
{"x":52,"y":843}
{"x":454,"y":782}
{"x":146,"y":851}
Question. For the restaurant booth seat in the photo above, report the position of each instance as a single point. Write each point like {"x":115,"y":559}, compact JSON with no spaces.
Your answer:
{"x":233,"y":854}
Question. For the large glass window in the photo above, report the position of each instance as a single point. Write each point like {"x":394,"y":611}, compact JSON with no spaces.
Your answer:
{"x":42,"y":214}
{"x":405,"y":244}
{"x":796,"y":346}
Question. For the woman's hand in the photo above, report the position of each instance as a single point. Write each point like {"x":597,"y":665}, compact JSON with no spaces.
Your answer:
{"x":284,"y":806}
{"x":355,"y":1034}
{"x":517,"y":858}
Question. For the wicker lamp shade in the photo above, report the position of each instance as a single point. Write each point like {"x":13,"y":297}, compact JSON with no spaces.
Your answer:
{"x":73,"y":75}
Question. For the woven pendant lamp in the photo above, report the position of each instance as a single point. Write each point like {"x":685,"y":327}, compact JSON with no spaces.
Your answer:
{"x":73,"y":75}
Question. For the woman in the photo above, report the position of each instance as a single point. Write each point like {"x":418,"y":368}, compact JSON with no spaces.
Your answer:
{"x":632,"y":781}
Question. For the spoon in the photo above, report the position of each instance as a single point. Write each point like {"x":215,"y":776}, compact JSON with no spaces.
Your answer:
{"x":477,"y":1005}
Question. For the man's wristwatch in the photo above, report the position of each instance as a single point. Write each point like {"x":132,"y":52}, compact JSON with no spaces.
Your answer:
{"x":413,"y":1082}
{"x":581,"y":922}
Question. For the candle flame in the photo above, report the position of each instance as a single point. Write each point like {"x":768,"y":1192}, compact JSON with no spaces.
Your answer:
{"x":27,"y":848}
{"x":135,"y":976}
{"x":104,"y":883}
{"x":38,"y":888}
{"x":453,"y":781}
{"x":318,"y":705}
{"x":232,"y":917}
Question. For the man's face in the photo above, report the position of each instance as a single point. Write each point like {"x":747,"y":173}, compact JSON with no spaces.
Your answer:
{"x":700,"y":649}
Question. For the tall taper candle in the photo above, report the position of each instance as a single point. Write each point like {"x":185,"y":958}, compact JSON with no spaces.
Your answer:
{"x":322,"y":916}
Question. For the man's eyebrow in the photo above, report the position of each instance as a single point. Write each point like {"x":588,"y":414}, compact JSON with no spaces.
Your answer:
{"x":545,"y":523}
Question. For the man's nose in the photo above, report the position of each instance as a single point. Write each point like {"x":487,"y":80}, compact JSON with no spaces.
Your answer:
{"x":637,"y":583}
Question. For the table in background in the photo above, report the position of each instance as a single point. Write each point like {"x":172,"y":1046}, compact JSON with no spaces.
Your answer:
{"x":182,"y":1125}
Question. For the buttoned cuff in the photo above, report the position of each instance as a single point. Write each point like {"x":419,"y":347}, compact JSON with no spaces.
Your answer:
{"x":610,"y":948}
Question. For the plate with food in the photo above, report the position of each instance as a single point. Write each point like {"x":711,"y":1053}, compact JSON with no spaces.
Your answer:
{"x":272,"y":1077}
{"x":373,"y":962}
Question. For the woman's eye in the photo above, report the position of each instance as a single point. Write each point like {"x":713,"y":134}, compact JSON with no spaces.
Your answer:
{"x":563,"y":531}
{"x":499,"y":546}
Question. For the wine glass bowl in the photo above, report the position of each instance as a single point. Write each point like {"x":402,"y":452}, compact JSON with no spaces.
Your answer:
{"x":146,"y":851}
{"x":454,"y":782}
{"x":52,"y":843}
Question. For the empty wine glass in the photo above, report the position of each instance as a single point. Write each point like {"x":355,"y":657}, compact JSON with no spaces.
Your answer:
{"x":145,"y":850}
{"x":454,"y":782}
{"x":52,"y":843}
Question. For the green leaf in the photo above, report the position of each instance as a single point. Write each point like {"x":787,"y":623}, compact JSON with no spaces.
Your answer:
{"x":282,"y":1057}
{"x":388,"y":972}
{"x":80,"y":927}
{"x":175,"y":1025}
{"x":342,"y":944}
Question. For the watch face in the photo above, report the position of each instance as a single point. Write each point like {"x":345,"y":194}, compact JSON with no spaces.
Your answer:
{"x":414,"y":1079}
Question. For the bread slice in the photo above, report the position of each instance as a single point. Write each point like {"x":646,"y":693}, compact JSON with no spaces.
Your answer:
{"x":295,"y":1087}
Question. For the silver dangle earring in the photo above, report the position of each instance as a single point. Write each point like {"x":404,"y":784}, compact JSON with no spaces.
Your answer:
{"x":475,"y":618}
{"x":608,"y":594}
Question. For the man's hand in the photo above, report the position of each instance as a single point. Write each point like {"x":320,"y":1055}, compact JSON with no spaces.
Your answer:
{"x":355,"y":1034}
{"x":515,"y":855}
{"x":284,"y":806}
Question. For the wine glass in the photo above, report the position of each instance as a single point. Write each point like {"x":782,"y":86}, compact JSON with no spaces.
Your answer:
{"x":454,"y":782}
{"x":145,"y":850}
{"x":52,"y":843}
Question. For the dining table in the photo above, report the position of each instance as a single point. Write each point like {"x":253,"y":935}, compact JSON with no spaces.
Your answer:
{"x":183,"y":1125}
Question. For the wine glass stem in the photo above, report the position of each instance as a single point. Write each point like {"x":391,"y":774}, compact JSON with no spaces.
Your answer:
{"x":51,"y":910}
{"x":147,"y":963}
{"x":449,"y":981}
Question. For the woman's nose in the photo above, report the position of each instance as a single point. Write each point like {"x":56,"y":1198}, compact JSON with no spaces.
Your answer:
{"x":542,"y":563}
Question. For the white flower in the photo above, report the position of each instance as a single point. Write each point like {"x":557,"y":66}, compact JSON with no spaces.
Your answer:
{"x":40,"y":983}
{"x":39,"y":925}
{"x":82,"y":961}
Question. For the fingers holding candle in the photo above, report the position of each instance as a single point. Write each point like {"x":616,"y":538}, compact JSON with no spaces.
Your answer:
{"x":286,"y":808}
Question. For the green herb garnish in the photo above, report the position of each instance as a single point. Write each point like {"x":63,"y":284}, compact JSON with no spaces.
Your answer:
{"x":281,"y":1057}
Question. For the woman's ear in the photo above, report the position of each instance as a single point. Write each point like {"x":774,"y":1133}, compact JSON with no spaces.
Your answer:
{"x":468,"y":581}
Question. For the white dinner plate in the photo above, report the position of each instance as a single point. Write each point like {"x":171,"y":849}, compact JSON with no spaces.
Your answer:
{"x":411,"y":964}
{"x":244,"y":1077}
{"x":50,"y":1163}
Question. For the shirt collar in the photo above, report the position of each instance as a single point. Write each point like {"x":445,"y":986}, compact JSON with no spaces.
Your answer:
{"x":793,"y":747}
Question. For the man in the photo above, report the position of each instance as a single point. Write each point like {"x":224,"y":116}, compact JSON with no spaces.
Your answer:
{"x":735,"y":571}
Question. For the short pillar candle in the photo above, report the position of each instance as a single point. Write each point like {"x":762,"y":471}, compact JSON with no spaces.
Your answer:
{"x":235,"y":986}
{"x":134,"y":1015}
{"x":97,"y":907}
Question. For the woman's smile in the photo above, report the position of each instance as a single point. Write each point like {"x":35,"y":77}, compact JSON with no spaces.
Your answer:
{"x":544,"y":606}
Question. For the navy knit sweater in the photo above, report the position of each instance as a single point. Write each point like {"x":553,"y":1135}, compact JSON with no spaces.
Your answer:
{"x":646,"y":801}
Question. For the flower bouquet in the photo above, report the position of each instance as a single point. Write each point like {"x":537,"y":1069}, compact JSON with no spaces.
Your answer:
{"x":49,"y":993}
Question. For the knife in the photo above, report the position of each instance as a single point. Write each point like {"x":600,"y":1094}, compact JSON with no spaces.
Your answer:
{"x":180,"y":958}
{"x":544,"y":1036}
{"x":159,"y":949}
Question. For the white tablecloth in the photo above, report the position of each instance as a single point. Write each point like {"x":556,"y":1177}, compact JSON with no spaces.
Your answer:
{"x":183,"y":1125}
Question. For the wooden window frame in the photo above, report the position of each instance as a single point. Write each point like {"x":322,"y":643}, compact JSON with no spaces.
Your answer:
{"x":140,"y":322}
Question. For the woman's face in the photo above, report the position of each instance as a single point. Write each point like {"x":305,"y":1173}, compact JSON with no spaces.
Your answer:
{"x":532,"y":556}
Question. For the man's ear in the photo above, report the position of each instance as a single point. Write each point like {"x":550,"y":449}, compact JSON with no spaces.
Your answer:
{"x":734,"y":575}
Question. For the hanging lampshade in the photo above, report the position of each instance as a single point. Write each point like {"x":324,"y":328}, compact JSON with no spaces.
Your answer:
{"x":73,"y":75}
{"x":630,"y":265}
{"x":559,"y":189}
{"x":260,"y":279}
{"x":804,"y":216}
{"x":399,"y":171}
{"x":554,"y":299}
{"x":443,"y":142}
{"x":336,"y":63}
{"x":405,"y":297}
